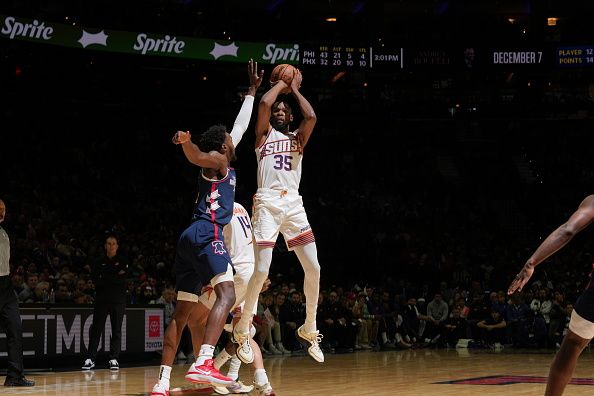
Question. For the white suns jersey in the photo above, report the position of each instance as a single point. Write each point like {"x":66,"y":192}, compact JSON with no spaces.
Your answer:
{"x":238,"y":236}
{"x":279,"y":161}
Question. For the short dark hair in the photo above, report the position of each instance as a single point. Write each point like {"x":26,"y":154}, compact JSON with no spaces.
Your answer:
{"x":213,"y":138}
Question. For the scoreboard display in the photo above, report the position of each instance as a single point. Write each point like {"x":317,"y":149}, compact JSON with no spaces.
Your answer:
{"x":336,"y":56}
{"x":345,"y":57}
{"x":575,"y":56}
{"x":348,"y":57}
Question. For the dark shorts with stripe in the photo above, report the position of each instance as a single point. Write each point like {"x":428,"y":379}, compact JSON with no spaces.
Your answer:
{"x":199,"y":256}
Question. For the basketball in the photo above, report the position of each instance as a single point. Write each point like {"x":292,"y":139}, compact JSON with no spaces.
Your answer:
{"x":283,"y":72}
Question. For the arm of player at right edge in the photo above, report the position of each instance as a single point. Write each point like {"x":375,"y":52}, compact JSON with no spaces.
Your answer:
{"x":582,"y":217}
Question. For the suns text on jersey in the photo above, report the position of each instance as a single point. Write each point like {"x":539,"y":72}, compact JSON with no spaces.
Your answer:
{"x":280,"y":146}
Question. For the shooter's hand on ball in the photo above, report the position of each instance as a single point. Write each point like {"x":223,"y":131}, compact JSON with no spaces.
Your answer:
{"x":296,"y":82}
{"x":282,"y":86}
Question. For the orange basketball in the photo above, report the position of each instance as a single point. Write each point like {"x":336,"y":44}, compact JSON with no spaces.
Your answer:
{"x":283,"y":72}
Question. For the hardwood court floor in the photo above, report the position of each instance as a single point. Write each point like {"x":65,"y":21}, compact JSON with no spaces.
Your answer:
{"x":421,"y":372}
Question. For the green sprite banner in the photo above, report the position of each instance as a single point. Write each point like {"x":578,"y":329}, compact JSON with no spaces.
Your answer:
{"x":141,"y":43}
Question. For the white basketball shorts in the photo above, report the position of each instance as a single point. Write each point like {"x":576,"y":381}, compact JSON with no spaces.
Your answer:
{"x":280,"y":211}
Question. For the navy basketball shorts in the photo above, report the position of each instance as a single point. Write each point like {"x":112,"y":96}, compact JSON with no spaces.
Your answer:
{"x":199,"y":257}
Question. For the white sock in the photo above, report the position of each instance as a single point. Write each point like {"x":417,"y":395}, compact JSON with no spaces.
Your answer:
{"x":221,"y":359}
{"x":384,"y":337}
{"x":206,"y":352}
{"x":260,"y":377}
{"x":234,"y":368}
{"x":164,"y":375}
{"x":308,"y":257}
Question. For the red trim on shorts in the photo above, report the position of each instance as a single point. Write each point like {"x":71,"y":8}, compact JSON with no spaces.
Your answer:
{"x":303,"y":239}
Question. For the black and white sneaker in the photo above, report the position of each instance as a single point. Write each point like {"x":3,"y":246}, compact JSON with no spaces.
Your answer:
{"x":113,"y":365}
{"x":89,"y":364}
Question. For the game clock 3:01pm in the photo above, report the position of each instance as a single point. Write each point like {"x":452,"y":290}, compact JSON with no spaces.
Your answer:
{"x":348,"y":57}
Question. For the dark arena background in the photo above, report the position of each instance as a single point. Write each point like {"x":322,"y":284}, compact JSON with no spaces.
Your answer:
{"x":452,"y":138}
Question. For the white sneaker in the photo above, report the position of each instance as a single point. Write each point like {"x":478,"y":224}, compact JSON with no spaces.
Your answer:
{"x":244,"y":350}
{"x":264,"y":390}
{"x":237,"y":387}
{"x":89,"y":364}
{"x":312,"y":342}
{"x":160,"y":390}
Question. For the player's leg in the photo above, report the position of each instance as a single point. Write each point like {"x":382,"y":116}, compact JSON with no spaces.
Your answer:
{"x":578,"y":337}
{"x":171,"y":341}
{"x":228,"y":355}
{"x":300,"y":238}
{"x":187,"y":283}
{"x":241,"y":330}
{"x":203,"y":369}
{"x":196,"y":325}
{"x":308,"y":257}
{"x":261,"y":381}
{"x":266,"y":226}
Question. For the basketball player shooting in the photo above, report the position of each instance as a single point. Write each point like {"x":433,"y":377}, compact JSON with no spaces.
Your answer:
{"x":279,"y":207}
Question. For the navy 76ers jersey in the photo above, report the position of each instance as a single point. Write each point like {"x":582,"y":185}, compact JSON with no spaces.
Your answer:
{"x":215,"y":199}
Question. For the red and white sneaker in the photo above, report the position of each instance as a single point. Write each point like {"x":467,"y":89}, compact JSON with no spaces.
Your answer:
{"x":160,"y":390}
{"x":207,"y":374}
